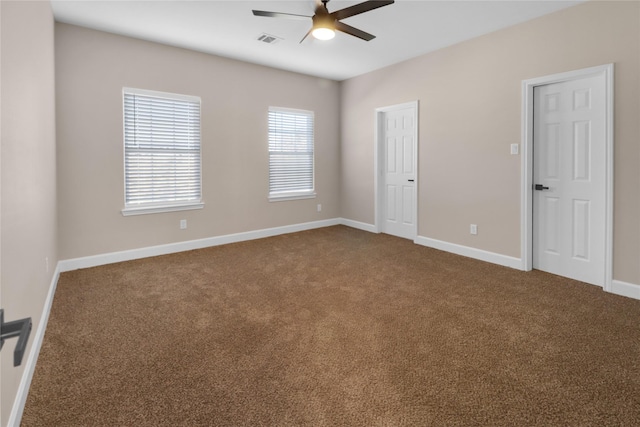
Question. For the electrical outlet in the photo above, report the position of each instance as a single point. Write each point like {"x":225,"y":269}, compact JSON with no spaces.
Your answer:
{"x":183,"y":224}
{"x":473,"y":229}
{"x":319,"y":207}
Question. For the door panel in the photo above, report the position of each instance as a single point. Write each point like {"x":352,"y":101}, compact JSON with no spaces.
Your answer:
{"x":391,"y":203}
{"x":407,"y":155}
{"x":553,"y":151}
{"x":581,"y":150}
{"x":552,"y":212}
{"x":570,"y":163}
{"x":407,"y":206}
{"x":391,"y":154}
{"x":581,"y":227}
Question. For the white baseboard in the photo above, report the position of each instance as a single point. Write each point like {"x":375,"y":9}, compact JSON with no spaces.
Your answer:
{"x":618,"y":287}
{"x":479,"y":254}
{"x":625,"y":289}
{"x":113,"y":257}
{"x":359,"y":225}
{"x":30,"y":365}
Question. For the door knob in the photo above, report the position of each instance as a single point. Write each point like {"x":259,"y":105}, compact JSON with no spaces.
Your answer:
{"x":410,"y":180}
{"x":540,"y":187}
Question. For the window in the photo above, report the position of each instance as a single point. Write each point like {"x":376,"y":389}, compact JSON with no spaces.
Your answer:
{"x":290,"y":154}
{"x":161,"y":152}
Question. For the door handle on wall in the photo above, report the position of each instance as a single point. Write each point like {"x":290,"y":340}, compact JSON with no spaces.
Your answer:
{"x":18,"y":328}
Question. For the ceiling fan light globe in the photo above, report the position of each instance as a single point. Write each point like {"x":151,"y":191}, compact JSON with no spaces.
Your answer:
{"x":323,"y":33}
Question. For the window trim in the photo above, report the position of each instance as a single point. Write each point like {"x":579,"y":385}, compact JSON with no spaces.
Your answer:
{"x":161,"y":208}
{"x":150,"y":208}
{"x":281,"y":197}
{"x":302,"y":194}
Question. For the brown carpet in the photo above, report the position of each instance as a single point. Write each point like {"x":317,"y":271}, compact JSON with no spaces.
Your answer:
{"x":333,"y":327}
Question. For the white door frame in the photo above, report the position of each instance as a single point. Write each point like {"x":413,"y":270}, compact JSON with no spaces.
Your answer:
{"x":379,"y":162}
{"x":526,"y":209}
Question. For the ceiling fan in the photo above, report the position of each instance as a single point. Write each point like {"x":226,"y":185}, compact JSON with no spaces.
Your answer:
{"x":325,"y":24}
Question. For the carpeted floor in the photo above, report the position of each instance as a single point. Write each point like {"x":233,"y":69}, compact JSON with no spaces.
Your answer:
{"x":333,"y":327}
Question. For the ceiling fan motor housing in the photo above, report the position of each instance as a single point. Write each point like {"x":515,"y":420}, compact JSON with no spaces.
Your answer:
{"x":324,"y":20}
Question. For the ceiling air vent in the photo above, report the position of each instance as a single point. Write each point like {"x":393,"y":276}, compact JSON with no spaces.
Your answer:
{"x":268,"y":38}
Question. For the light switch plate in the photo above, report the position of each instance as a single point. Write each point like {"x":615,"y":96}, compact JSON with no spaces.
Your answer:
{"x":515,"y":148}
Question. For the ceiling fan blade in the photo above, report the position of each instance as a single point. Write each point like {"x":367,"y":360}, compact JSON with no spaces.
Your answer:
{"x":280,"y":15}
{"x":307,"y":35}
{"x":341,"y":26}
{"x":360,"y":8}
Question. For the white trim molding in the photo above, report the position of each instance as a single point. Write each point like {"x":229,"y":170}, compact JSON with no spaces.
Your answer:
{"x":526,"y":181}
{"x":129,"y":255}
{"x":282,"y":197}
{"x":470,"y":252}
{"x":30,"y":366}
{"x":624,"y":289}
{"x":371,"y":228}
{"x":160,"y":209}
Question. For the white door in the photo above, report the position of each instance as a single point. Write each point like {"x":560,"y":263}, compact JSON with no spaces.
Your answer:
{"x":399,"y":130}
{"x":569,"y":173}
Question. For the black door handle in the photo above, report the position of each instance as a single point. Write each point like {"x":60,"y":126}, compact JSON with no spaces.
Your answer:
{"x":540,"y":187}
{"x":18,"y":328}
{"x":410,"y":180}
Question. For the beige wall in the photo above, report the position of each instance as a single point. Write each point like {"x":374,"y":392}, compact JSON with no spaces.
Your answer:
{"x":28,"y":175}
{"x":91,"y":69}
{"x":470,"y":112}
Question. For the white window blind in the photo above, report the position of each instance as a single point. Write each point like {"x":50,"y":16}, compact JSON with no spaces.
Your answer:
{"x":161,"y":151}
{"x":290,"y":153}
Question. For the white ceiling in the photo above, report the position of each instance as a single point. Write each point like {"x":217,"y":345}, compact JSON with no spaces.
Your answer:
{"x":405,"y":29}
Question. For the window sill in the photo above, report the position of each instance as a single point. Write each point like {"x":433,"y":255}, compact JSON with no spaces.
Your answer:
{"x":284,"y":197}
{"x":160,"y":209}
